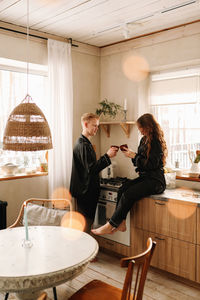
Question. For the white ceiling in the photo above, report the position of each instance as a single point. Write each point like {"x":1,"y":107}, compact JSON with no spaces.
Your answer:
{"x":100,"y":22}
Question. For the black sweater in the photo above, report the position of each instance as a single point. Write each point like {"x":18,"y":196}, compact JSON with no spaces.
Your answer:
{"x":153,"y":167}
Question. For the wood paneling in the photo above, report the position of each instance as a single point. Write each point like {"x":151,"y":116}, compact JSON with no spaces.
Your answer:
{"x":198,"y":225}
{"x":172,"y":255}
{"x":198,"y":264}
{"x":171,"y":218}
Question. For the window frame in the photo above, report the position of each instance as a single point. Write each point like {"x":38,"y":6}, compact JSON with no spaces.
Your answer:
{"x":33,"y":69}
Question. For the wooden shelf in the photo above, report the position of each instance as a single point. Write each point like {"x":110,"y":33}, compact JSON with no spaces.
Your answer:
{"x":124,"y":125}
{"x":187,"y":177}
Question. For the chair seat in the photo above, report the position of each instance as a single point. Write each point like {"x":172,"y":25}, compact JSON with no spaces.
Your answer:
{"x":96,"y":290}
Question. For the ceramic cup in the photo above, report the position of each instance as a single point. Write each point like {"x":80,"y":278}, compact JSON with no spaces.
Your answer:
{"x":122,"y":147}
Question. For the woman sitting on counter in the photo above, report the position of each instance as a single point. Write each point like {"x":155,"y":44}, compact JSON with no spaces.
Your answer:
{"x":149,"y":162}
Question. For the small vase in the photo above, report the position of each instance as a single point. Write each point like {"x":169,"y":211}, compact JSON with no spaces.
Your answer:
{"x":194,"y":170}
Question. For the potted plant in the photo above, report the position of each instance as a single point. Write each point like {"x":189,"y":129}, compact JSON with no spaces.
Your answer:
{"x":108,"y":109}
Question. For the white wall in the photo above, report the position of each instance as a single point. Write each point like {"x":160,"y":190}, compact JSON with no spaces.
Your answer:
{"x":167,"y":50}
{"x":15,"y":191}
{"x":86,"y":82}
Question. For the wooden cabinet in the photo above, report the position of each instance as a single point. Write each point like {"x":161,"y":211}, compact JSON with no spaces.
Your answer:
{"x":171,"y":218}
{"x":171,"y":255}
{"x":198,"y":264}
{"x":175,"y":226}
{"x":113,"y":246}
{"x":198,"y":225}
{"x":171,"y":223}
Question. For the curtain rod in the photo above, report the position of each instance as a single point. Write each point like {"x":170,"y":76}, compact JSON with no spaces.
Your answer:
{"x":16,"y":29}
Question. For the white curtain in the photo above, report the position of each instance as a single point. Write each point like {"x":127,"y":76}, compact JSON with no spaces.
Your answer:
{"x":61,"y":117}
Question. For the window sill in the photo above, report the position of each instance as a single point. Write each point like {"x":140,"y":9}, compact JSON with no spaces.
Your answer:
{"x":21,"y":176}
{"x":188,"y":178}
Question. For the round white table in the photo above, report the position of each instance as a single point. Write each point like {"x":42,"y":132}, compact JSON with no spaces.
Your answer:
{"x":58,"y":254}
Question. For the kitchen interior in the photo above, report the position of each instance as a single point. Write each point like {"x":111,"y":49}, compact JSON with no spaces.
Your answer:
{"x":106,"y":35}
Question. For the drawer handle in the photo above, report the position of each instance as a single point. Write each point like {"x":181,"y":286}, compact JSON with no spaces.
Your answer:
{"x":159,"y":203}
{"x":160,"y":239}
{"x":110,"y":244}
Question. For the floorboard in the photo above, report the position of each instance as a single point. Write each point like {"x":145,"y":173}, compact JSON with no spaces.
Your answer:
{"x":107,"y":268}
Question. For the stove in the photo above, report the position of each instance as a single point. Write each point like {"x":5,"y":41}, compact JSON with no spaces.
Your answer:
{"x":110,"y":187}
{"x":112,"y":182}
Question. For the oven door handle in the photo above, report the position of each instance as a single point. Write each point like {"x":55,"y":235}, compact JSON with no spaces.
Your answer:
{"x":103,"y":202}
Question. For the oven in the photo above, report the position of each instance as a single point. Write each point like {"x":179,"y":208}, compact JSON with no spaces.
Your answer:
{"x":106,"y":207}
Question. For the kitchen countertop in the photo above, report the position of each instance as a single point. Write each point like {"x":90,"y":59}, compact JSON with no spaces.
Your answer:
{"x":182,"y":194}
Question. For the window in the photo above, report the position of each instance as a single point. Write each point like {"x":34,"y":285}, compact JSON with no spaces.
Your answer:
{"x":13,"y":89}
{"x":175,"y":102}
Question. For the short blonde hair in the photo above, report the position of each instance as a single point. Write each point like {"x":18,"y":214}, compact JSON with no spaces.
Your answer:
{"x":88,"y":116}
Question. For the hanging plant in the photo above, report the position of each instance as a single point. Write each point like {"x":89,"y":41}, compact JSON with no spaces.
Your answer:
{"x":107,"y":108}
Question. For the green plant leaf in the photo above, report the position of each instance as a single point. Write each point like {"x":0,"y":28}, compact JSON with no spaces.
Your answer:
{"x":108,"y":108}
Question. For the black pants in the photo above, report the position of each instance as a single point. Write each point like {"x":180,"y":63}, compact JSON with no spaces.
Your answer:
{"x":87,"y":204}
{"x":132,"y":191}
{"x":88,"y":220}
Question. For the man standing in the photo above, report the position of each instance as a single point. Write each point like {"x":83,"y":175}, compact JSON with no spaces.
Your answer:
{"x":85,"y":185}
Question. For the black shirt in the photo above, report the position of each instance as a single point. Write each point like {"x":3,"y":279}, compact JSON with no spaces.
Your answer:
{"x":86,"y":168}
{"x":153,"y":166}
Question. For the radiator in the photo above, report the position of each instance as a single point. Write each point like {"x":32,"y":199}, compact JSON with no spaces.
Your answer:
{"x":3,"y":205}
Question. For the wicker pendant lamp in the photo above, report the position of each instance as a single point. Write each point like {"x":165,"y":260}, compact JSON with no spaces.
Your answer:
{"x":27,"y":128}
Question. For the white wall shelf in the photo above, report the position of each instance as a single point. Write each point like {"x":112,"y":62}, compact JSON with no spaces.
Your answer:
{"x":124,"y":125}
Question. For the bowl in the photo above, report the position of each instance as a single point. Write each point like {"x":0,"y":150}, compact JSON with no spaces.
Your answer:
{"x":9,"y":169}
{"x":193,"y":175}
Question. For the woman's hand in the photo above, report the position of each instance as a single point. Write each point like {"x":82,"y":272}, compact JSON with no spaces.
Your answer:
{"x":129,"y":153}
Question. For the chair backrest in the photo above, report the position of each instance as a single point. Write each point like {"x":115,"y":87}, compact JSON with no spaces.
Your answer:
{"x":142,"y":262}
{"x":61,"y":204}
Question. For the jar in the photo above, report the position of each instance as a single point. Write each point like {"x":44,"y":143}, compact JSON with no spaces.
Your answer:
{"x":170,"y":179}
{"x":194,"y":170}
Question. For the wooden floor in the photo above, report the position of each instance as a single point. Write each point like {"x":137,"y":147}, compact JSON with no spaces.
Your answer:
{"x":158,"y":286}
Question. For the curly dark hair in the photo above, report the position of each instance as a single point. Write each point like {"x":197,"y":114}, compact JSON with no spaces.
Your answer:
{"x":152,"y":129}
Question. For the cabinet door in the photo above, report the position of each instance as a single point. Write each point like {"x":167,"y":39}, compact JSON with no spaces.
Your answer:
{"x":198,"y":225}
{"x":144,"y":214}
{"x":198,"y":264}
{"x":172,"y":255}
{"x":113,"y":246}
{"x":181,"y":221}
{"x":172,"y":218}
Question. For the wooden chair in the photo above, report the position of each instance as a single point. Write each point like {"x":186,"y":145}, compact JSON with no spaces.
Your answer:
{"x":61,"y":204}
{"x":50,"y":203}
{"x":43,"y":296}
{"x":97,"y":289}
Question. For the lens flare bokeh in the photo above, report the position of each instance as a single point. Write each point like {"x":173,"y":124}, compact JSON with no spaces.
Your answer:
{"x":135,"y":67}
{"x":61,"y":193}
{"x":180,"y":211}
{"x":74,"y":220}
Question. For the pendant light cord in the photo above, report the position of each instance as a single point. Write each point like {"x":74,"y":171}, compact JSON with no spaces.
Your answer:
{"x":27,"y":48}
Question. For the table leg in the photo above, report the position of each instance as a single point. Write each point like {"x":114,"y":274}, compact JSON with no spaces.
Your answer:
{"x":28,"y":295}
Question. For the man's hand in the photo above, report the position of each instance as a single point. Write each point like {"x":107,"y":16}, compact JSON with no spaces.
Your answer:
{"x":112,"y":151}
{"x":128,"y":152}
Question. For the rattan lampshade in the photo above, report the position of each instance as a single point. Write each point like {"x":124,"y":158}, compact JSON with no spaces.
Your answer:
{"x":27,"y":128}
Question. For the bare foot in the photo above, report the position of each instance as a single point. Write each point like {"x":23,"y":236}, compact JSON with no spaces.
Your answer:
{"x":105,"y":229}
{"x":122,"y":226}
